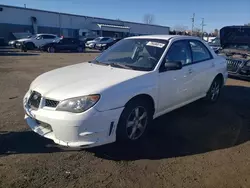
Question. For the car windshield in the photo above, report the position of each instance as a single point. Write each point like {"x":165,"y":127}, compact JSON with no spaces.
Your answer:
{"x":31,"y":36}
{"x":97,"y":39}
{"x":138,"y":54}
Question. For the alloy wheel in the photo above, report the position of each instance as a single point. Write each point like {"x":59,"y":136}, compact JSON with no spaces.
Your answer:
{"x":136,"y":123}
{"x":215,"y":91}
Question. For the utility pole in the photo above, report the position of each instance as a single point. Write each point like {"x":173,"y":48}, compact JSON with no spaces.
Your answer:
{"x":24,"y":5}
{"x":202,"y":26}
{"x":193,"y":22}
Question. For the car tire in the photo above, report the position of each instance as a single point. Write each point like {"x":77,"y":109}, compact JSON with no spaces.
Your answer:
{"x":30,"y":46}
{"x":51,"y":49}
{"x":214,"y":91}
{"x":134,"y":121}
{"x":79,"y":49}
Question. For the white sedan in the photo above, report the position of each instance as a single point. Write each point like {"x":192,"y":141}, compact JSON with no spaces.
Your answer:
{"x":117,"y":95}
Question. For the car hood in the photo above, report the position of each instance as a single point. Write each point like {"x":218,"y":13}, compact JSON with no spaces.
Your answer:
{"x":81,"y":79}
{"x":90,"y":41}
{"x":234,"y":35}
{"x":12,"y":41}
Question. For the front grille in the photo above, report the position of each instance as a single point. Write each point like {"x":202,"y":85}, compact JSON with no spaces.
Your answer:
{"x":233,"y":65}
{"x":51,"y":103}
{"x":34,"y":100}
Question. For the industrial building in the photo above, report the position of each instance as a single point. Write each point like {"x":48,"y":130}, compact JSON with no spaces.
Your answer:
{"x":19,"y":19}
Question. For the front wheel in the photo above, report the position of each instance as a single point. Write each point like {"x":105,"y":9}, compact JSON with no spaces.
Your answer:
{"x":134,"y":121}
{"x":214,"y":91}
{"x":30,"y":46}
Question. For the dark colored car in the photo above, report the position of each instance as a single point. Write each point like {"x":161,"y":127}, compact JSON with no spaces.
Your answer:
{"x":103,"y":45}
{"x":235,"y":46}
{"x":65,"y":44}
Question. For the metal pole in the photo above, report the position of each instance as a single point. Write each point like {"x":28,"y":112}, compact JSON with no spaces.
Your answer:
{"x":193,"y":23}
{"x":202,"y":26}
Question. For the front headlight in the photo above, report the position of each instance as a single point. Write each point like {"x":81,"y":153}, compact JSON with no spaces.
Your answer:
{"x":248,"y":64}
{"x":78,"y":104}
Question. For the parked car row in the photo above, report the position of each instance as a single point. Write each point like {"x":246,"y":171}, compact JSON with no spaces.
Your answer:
{"x":101,"y":43}
{"x":52,"y":43}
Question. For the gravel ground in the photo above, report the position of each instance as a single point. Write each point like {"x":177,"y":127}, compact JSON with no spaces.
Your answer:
{"x":196,"y":146}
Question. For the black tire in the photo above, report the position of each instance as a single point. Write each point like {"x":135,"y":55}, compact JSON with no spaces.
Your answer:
{"x":30,"y":46}
{"x":124,"y":133}
{"x":51,"y":49}
{"x":214,"y":91}
{"x":79,"y":49}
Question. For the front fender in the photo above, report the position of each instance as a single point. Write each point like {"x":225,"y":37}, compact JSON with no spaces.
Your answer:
{"x":119,"y":95}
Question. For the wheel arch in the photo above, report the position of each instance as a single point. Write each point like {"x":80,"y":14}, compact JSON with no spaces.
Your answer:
{"x":146,"y":97}
{"x":221,"y":78}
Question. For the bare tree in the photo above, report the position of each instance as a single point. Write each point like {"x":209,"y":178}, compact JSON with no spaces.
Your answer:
{"x":148,"y":19}
{"x":216,"y":32}
{"x":180,"y":28}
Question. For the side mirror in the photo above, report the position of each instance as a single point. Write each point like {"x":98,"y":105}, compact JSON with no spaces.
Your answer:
{"x":173,"y":65}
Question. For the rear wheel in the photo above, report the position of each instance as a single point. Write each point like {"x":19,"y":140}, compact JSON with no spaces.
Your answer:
{"x":51,"y":49}
{"x":134,"y":121}
{"x":214,"y":91}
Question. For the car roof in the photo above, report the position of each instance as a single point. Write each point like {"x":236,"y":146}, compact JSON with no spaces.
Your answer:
{"x":163,"y":37}
{"x":45,"y":34}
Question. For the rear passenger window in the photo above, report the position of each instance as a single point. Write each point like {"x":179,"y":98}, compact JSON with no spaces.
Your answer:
{"x":48,"y":37}
{"x":199,"y":51}
{"x":104,"y":39}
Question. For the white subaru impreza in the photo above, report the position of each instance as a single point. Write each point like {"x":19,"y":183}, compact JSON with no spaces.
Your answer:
{"x":115,"y":96}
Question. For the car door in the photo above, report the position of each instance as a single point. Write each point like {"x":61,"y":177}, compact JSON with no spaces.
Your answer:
{"x":48,"y":39}
{"x":74,"y":44}
{"x":39,"y":40}
{"x":175,"y":85}
{"x":60,"y":45}
{"x":202,"y":68}
{"x":64,"y":44}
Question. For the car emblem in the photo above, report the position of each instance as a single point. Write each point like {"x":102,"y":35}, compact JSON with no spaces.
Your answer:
{"x":35,"y":97}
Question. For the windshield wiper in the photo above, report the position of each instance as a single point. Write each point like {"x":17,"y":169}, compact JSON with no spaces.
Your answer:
{"x":120,"y":65}
{"x":98,"y":62}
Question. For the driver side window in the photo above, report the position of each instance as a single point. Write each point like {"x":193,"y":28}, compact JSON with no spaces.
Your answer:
{"x":179,"y":52}
{"x":39,"y":37}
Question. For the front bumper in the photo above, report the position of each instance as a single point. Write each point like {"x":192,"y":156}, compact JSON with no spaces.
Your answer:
{"x":99,"y":47}
{"x":87,"y":129}
{"x":18,"y":45}
{"x":91,"y":45}
{"x":243,"y":72}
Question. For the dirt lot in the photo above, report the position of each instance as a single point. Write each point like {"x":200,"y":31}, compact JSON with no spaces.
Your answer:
{"x":195,"y":146}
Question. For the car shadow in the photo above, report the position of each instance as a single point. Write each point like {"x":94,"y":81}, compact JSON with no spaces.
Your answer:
{"x":194,"y":129}
{"x":16,"y":53}
{"x":25,"y":142}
